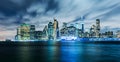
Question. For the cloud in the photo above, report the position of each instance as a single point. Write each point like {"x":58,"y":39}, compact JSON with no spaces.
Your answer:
{"x":40,"y":12}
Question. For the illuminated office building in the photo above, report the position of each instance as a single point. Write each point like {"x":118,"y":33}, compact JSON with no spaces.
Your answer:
{"x":82,"y":23}
{"x":86,"y":34}
{"x":82,"y":28}
{"x":109,"y":34}
{"x":118,"y":34}
{"x":50,"y":30}
{"x":97,"y":31}
{"x":56,"y":29}
{"x":69,"y":31}
{"x":80,"y":34}
{"x":23,"y":32}
{"x":76,"y":33}
{"x":38,"y":35}
{"x":32,"y":32}
{"x":45,"y":33}
{"x":18,"y":36}
{"x":92,"y":31}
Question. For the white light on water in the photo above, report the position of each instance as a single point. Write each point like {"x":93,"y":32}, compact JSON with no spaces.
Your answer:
{"x":69,"y":37}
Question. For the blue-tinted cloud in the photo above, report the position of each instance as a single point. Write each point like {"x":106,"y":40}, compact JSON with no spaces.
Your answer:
{"x":40,"y":12}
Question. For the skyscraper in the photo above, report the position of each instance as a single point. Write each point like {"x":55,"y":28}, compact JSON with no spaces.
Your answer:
{"x":76,"y":25}
{"x":18,"y":36}
{"x":82,"y":28}
{"x":97,"y":27}
{"x":32,"y":32}
{"x":23,"y":32}
{"x":38,"y":35}
{"x":56,"y":29}
{"x":50,"y":30}
{"x":118,"y":34}
{"x":92,"y":31}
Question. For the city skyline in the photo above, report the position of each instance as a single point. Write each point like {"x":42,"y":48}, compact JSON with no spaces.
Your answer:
{"x":76,"y":32}
{"x":40,"y":12}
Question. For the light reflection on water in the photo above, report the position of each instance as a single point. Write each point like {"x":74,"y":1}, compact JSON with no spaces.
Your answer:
{"x":74,"y":53}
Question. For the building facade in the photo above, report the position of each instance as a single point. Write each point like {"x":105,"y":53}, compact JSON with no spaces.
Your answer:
{"x":23,"y":32}
{"x":56,"y":29}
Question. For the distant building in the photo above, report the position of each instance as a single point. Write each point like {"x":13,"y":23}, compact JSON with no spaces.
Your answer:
{"x":82,"y":28}
{"x":50,"y":30}
{"x":97,"y":31}
{"x":73,"y":31}
{"x":64,"y":25}
{"x":32,"y":32}
{"x":80,"y":34}
{"x":18,"y":36}
{"x":56,"y":29}
{"x":118,"y":34}
{"x":23,"y":32}
{"x":92,"y":31}
{"x":38,"y":35}
{"x":77,"y":27}
{"x":107,"y":34}
{"x":45,"y":33}
{"x":68,"y":31}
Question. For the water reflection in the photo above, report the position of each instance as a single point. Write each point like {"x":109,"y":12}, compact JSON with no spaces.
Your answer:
{"x":70,"y":54}
{"x":24,"y":54}
{"x":74,"y":53}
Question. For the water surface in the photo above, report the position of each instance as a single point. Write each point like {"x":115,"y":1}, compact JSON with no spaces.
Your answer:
{"x":73,"y":53}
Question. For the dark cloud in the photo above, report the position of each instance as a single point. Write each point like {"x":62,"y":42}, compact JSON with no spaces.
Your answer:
{"x":52,"y":5}
{"x":13,"y":7}
{"x":14,"y":11}
{"x":40,"y":12}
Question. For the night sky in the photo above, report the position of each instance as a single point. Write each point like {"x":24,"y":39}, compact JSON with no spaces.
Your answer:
{"x":40,"y":12}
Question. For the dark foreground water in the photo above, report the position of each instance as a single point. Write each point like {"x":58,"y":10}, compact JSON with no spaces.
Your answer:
{"x":73,"y":53}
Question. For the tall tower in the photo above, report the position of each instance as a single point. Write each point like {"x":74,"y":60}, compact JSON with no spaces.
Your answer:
{"x":97,"y":27}
{"x":32,"y":32}
{"x":93,"y":31}
{"x":83,"y":28}
{"x":76,"y":33}
{"x":82,"y":24}
{"x":56,"y":29}
{"x":50,"y":30}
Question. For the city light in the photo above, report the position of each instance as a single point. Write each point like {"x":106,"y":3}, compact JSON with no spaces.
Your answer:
{"x":68,"y":38}
{"x":51,"y":32}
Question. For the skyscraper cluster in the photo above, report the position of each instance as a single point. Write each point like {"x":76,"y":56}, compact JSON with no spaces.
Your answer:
{"x":95,"y":29}
{"x":52,"y":32}
{"x":25,"y":32}
{"x":28,"y":32}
